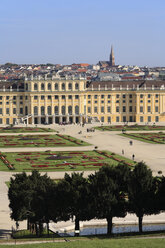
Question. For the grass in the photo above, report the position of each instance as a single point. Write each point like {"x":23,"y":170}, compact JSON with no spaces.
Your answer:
{"x":24,"y":129}
{"x":67,"y":161}
{"x":56,"y":140}
{"x":130,"y":128}
{"x":100,"y":243}
{"x":154,"y":138}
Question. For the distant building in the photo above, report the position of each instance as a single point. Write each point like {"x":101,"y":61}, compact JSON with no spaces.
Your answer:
{"x":112,"y":58}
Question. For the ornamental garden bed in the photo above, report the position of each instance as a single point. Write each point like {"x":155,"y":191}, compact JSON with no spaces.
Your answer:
{"x":130,"y":128}
{"x":154,"y":138}
{"x":40,"y":141}
{"x":25,"y":129}
{"x":60,"y":161}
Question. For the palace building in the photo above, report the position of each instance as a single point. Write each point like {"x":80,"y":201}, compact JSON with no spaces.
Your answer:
{"x":74,"y":100}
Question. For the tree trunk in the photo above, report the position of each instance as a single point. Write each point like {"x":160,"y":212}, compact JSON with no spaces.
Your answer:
{"x":140,"y":224}
{"x":109,"y":225}
{"x":36,"y":229}
{"x":48,"y":229}
{"x":77,"y":227}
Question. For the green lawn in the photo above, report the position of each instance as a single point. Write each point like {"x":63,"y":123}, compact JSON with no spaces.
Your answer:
{"x":60,"y":161}
{"x":154,"y":138}
{"x":40,"y":141}
{"x":24,"y":129}
{"x":130,"y":128}
{"x":100,"y":243}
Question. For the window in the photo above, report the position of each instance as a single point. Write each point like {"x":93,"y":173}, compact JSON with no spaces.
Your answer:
{"x":157,"y":118}
{"x":141,"y":109}
{"x":42,"y":87}
{"x":56,"y":86}
{"x":148,"y":108}
{"x":117,"y":109}
{"x":21,"y":111}
{"x":63,"y":110}
{"x":42,"y":110}
{"x":35,"y":87}
{"x":0,"y":111}
{"x":141,"y":101}
{"x":63,"y":86}
{"x":109,"y":119}
{"x":7,"y":111}
{"x":70,"y":86}
{"x":141,"y":95}
{"x":13,"y":102}
{"x":14,"y":120}
{"x":123,"y":96}
{"x":56,"y":111}
{"x":56,"y":97}
{"x":7,"y":121}
{"x":156,"y":109}
{"x":117,"y":96}
{"x":156,"y":96}
{"x":149,"y":96}
{"x":21,"y":103}
{"x":0,"y":102}
{"x":102,"y":96}
{"x":149,"y":118}
{"x":26,"y":97}
{"x":77,"y":110}
{"x":117,"y":118}
{"x":102,"y":109}
{"x":156,"y":101}
{"x":130,"y":96}
{"x":35,"y":110}
{"x":14,"y":111}
{"x":89,"y":101}
{"x":7,"y":103}
{"x":70,"y":97}
{"x":89,"y":109}
{"x":130,"y":108}
{"x":141,"y":118}
{"x":26,"y":110}
{"x":0,"y":97}
{"x":63,"y":97}
{"x":49,"y":86}
{"x":76,"y":96}
{"x":117,"y":101}
{"x":95,"y":101}
{"x":131,"y":119}
{"x":95,"y":109}
{"x":109,"y":101}
{"x":124,"y":118}
{"x":42,"y":97}
{"x":26,"y":86}
{"x":102,"y":101}
{"x":124,"y":108}
{"x":70,"y":110}
{"x":89,"y":96}
{"x":76,"y":86}
{"x":35,"y":97}
{"x":7,"y":97}
{"x":149,"y":100}
{"x":49,"y":110}
{"x":14,"y":97}
{"x":108,"y":109}
{"x":0,"y":120}
{"x":123,"y":101}
{"x":95,"y":96}
{"x":102,"y":119}
{"x":49,"y":97}
{"x":130,"y":101}
{"x":109,"y":96}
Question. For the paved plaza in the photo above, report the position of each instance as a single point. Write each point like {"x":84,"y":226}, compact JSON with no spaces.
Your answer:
{"x":152,"y":154}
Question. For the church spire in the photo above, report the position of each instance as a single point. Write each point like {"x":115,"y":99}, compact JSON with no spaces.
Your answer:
{"x":112,"y":57}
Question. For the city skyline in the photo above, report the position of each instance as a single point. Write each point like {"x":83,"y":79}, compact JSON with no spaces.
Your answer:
{"x":72,"y":32}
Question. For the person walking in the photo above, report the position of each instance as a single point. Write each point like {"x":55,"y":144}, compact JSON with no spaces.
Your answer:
{"x":122,"y":152}
{"x":133,"y":157}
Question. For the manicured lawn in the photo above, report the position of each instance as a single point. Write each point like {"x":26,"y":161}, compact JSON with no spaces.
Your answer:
{"x":39,"y":141}
{"x":24,"y":129}
{"x":130,"y":128}
{"x":60,"y":161}
{"x":100,"y":243}
{"x":154,"y":138}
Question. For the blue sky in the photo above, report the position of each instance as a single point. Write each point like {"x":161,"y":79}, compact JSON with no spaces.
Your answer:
{"x":73,"y":31}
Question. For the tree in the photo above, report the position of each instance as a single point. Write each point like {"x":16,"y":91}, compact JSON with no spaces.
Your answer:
{"x":141,"y":192}
{"x":107,"y":189}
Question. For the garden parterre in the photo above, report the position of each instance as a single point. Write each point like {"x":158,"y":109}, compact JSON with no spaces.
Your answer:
{"x":60,"y":161}
{"x":24,"y":129}
{"x":155,"y":138}
{"x":129,"y":128}
{"x":40,"y":141}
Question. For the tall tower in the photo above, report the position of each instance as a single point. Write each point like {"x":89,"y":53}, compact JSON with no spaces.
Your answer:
{"x":112,"y":57}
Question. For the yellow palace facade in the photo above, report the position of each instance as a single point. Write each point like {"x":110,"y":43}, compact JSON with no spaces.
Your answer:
{"x":57,"y":100}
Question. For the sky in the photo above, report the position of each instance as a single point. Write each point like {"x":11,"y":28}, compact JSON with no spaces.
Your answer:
{"x":82,"y":31}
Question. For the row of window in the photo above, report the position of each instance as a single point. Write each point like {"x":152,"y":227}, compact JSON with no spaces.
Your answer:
{"x":56,"y":110}
{"x":14,"y":97}
{"x":56,"y":97}
{"x":56,"y":86}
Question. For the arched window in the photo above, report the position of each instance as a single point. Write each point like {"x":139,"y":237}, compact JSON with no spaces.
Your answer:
{"x":35,"y":86}
{"x":77,"y":110}
{"x":49,"y":86}
{"x":56,"y":86}
{"x":35,"y":110}
{"x":70,"y":86}
{"x":49,"y":110}
{"x":42,"y":87}
{"x":63,"y":86}
{"x":63,"y":110}
{"x":42,"y":110}
{"x":56,"y":111}
{"x":76,"y":86}
{"x":70,"y":110}
{"x":26,"y":86}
